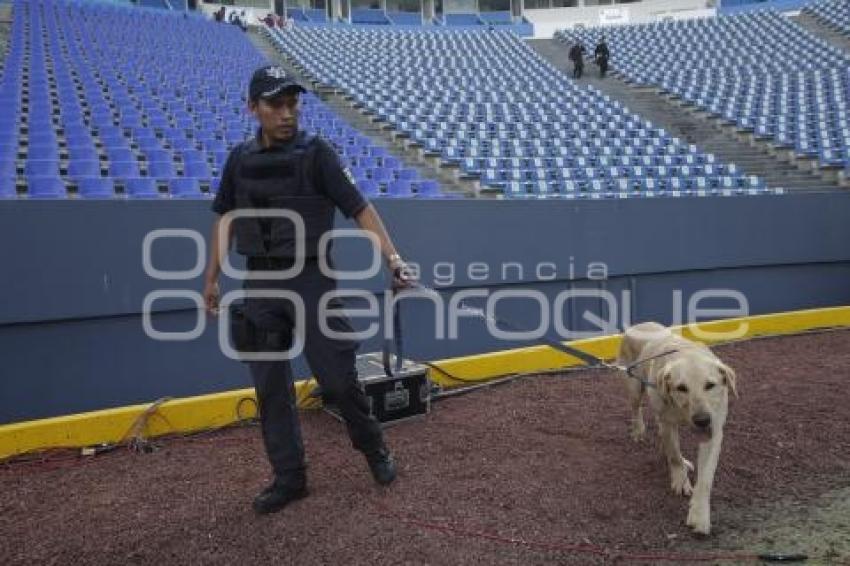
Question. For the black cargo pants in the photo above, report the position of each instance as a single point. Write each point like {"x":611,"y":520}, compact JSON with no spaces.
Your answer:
{"x":331,"y":360}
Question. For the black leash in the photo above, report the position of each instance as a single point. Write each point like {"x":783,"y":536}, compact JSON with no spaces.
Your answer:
{"x":590,"y":361}
{"x":395,"y":343}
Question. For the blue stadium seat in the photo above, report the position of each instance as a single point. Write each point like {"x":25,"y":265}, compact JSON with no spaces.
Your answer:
{"x":120,"y":154}
{"x":41,"y":168}
{"x":48,"y":187}
{"x":181,"y":144}
{"x":120,"y":169}
{"x":184,"y":188}
{"x":88,"y":168}
{"x":368,"y":187}
{"x":400,"y":188}
{"x":83,"y":153}
{"x":197,"y":169}
{"x":148,"y":143}
{"x":193,"y":155}
{"x":95,"y":187}
{"x":220,"y":158}
{"x":43,"y":152}
{"x":7,"y":166}
{"x":141,"y":187}
{"x":157,"y":154}
{"x":390,"y":162}
{"x":161,"y":169}
{"x":8,"y":150}
{"x":381,"y":175}
{"x":7,"y":187}
{"x":407,"y":174}
{"x":428,"y":188}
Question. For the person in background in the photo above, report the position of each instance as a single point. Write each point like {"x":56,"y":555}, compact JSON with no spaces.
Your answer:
{"x":238,"y":20}
{"x":576,"y":55}
{"x":269,"y":20}
{"x":601,"y":53}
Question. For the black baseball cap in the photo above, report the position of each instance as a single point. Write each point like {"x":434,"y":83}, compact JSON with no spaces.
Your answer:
{"x":271,"y":81}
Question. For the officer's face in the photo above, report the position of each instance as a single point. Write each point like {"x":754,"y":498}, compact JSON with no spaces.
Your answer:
{"x":278,"y":117}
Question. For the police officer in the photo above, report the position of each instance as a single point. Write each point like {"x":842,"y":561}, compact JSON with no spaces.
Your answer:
{"x":576,"y":55}
{"x":286,"y":168}
{"x":602,"y":54}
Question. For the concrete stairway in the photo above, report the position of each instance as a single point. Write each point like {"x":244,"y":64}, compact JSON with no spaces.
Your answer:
{"x":5,"y":32}
{"x":691,"y":125}
{"x":411,"y":155}
{"x":823,"y":31}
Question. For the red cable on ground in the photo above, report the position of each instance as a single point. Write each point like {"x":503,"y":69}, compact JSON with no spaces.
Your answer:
{"x":383,"y":511}
{"x":597,"y":550}
{"x":54,"y":459}
{"x":574,"y":548}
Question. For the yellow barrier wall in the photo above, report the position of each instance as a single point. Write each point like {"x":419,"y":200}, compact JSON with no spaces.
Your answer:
{"x":221,"y":409}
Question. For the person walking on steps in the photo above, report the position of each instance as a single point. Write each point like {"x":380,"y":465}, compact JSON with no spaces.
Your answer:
{"x":576,"y":55}
{"x":602,"y":54}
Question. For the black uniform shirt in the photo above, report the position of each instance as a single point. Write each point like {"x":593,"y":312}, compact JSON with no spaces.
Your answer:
{"x":331,"y":178}
{"x":601,"y":50}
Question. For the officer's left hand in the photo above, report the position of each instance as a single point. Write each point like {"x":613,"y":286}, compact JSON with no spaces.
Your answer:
{"x":403,"y":277}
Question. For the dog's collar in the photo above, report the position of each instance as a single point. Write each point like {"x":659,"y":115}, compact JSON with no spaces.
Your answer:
{"x":630,"y":369}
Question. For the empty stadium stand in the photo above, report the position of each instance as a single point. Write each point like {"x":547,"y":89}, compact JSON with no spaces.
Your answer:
{"x":729,"y":7}
{"x":448,"y":184}
{"x":833,"y":13}
{"x":487,"y":20}
{"x":694,"y":126}
{"x":828,"y":20}
{"x":380,"y":17}
{"x":107,"y":101}
{"x":369,"y":16}
{"x":461,"y":19}
{"x":496,"y":18}
{"x":760,"y":72}
{"x":307,"y":15}
{"x":487,"y":103}
{"x":405,"y":18}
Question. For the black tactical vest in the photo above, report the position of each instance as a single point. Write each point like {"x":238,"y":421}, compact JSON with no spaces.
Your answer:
{"x":278,"y":180}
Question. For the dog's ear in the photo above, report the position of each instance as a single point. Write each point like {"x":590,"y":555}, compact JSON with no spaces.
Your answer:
{"x":730,"y":379}
{"x":665,"y":380}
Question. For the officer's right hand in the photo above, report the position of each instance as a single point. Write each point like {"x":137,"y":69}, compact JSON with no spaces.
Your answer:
{"x":211,"y":296}
{"x":403,"y":277}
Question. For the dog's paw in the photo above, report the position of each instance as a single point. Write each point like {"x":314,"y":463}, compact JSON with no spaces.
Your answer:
{"x":698,"y":519}
{"x":680,"y":483}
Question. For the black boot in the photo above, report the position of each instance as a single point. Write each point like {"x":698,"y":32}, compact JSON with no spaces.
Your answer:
{"x":382,"y":466}
{"x":278,"y":495}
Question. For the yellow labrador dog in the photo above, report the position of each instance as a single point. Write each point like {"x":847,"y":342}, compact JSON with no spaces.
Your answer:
{"x":689,"y":387}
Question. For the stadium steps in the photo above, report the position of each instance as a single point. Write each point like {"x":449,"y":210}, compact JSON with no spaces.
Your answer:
{"x":5,"y":32}
{"x":428,"y":168}
{"x":823,"y":31}
{"x":696,"y":127}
